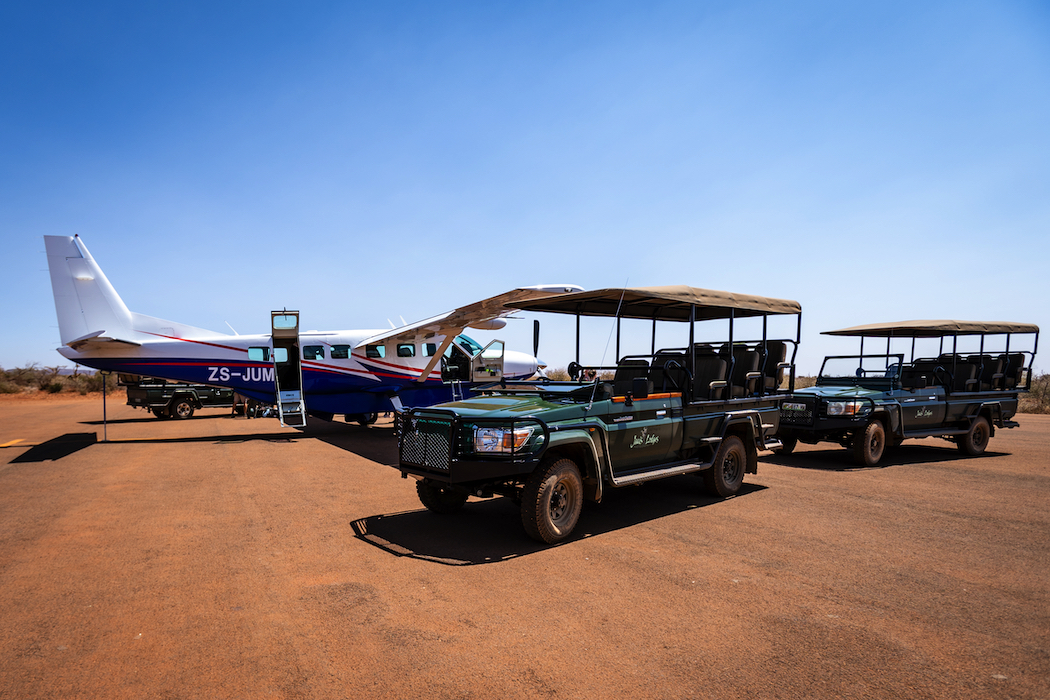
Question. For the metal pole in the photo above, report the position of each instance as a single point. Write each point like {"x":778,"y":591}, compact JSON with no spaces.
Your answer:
{"x":105,"y":432}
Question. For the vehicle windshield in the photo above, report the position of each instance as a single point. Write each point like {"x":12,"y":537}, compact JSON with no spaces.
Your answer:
{"x":854,"y":368}
{"x":469,"y":344}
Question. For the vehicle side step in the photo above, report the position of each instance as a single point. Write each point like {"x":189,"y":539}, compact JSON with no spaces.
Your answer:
{"x":935,"y":433}
{"x":660,"y":473}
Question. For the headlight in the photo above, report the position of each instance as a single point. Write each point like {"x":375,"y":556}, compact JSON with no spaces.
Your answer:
{"x":844,"y":408}
{"x":501,"y":439}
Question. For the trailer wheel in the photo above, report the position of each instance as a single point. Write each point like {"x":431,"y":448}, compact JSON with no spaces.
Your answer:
{"x":869,"y":444}
{"x":181,"y":409}
{"x":726,"y":475}
{"x":976,"y":439}
{"x":552,"y":500}
{"x":439,"y":499}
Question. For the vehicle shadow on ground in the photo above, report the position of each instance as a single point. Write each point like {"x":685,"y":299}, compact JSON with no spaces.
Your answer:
{"x":841,"y":460}
{"x":490,"y":531}
{"x":56,"y":448}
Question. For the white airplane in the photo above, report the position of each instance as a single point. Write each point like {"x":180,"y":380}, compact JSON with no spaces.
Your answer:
{"x":351,"y":373}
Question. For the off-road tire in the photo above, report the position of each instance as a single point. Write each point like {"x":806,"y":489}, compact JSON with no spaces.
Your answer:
{"x":181,"y":409}
{"x":726,"y":475}
{"x":787,"y":446}
{"x":975,"y":441}
{"x":552,"y":500}
{"x":439,"y":499}
{"x":869,"y":444}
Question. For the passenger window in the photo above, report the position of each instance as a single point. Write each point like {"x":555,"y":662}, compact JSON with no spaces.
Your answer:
{"x":313,"y":352}
{"x":375,"y":351}
{"x":259,"y":354}
{"x":280,"y":355}
{"x":406,"y":350}
{"x":340,"y":352}
{"x":430,"y":349}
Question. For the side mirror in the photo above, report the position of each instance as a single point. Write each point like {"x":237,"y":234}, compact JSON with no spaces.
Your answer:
{"x":640,"y":388}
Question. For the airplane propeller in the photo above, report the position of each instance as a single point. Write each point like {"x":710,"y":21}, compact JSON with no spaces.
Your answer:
{"x":535,"y":337}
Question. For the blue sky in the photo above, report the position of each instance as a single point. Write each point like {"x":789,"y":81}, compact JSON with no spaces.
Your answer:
{"x":369,"y":161}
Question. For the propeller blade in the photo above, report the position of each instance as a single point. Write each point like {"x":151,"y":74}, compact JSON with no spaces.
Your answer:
{"x":535,"y":337}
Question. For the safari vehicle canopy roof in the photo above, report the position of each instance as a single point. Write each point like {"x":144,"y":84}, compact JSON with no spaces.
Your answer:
{"x":671,"y":303}
{"x":934,"y":329}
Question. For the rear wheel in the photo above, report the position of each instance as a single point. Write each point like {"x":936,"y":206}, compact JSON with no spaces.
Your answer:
{"x":552,"y":500}
{"x":869,"y":444}
{"x":181,"y":409}
{"x":726,"y":475}
{"x":440,"y":499}
{"x":976,"y":439}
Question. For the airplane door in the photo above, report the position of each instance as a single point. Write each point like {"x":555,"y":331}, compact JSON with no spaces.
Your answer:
{"x":487,"y":365}
{"x":287,"y":371}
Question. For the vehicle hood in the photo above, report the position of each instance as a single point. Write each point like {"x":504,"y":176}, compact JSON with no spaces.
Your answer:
{"x":514,"y":407}
{"x":838,"y":392}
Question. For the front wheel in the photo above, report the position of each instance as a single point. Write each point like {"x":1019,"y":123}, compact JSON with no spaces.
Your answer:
{"x":440,"y":499}
{"x":787,"y":446}
{"x":869,"y":444}
{"x":976,"y":439}
{"x":552,"y":500}
{"x":726,"y":475}
{"x":181,"y":409}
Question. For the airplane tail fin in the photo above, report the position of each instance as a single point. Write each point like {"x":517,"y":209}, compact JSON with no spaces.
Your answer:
{"x":86,"y":303}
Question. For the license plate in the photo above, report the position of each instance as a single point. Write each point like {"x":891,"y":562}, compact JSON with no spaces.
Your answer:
{"x":793,"y":407}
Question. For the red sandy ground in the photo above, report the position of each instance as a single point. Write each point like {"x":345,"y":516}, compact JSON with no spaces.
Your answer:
{"x":231,"y":558}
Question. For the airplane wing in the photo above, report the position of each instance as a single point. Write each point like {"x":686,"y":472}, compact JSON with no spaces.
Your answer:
{"x":480,"y":314}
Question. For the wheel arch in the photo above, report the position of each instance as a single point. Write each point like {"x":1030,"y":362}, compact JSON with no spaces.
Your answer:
{"x":580,"y":448}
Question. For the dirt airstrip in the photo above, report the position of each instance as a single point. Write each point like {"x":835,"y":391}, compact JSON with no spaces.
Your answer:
{"x":222,"y":557}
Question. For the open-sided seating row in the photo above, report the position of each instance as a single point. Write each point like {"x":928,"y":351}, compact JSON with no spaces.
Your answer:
{"x":960,"y":372}
{"x":717,"y":373}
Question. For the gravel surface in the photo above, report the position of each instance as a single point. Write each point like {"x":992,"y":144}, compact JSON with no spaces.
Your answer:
{"x":221,"y":557}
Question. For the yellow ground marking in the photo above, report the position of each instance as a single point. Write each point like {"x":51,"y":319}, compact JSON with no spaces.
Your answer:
{"x":11,"y":442}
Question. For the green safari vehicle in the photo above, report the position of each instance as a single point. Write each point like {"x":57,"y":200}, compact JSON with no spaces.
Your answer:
{"x":705,"y":406}
{"x":961,"y":383}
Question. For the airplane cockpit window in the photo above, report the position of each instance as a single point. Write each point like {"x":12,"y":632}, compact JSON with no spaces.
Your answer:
{"x":340,"y":352}
{"x":375,"y":351}
{"x":472,"y":346}
{"x":313,"y":352}
{"x":430,"y":349}
{"x":259,"y":354}
{"x":406,"y":350}
{"x":280,"y":355}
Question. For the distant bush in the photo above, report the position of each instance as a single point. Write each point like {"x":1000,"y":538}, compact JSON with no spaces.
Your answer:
{"x":31,"y":378}
{"x":1038,"y":399}
{"x":805,"y":382}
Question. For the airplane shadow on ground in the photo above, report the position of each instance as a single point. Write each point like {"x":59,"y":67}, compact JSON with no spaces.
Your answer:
{"x":490,"y":531}
{"x":56,"y":448}
{"x":841,"y":460}
{"x":150,"y":418}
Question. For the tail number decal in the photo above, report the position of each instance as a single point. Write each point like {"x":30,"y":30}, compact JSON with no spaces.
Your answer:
{"x":248,"y":374}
